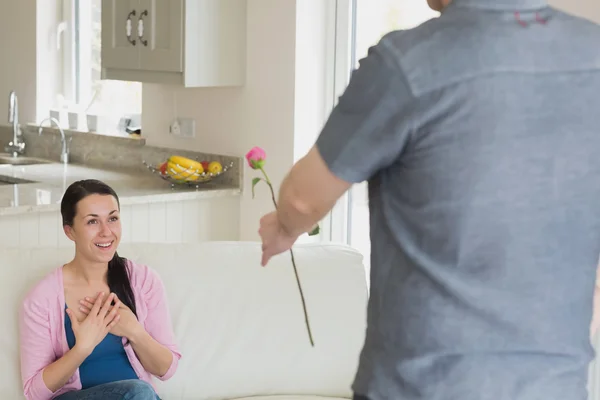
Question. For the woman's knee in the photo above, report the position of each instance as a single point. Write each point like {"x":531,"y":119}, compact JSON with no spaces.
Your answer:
{"x":138,"y":390}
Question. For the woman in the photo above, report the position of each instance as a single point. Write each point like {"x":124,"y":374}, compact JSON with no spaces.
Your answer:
{"x":97,"y":327}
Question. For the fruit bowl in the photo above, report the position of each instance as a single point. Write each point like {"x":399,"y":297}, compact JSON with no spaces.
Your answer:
{"x":180,"y":171}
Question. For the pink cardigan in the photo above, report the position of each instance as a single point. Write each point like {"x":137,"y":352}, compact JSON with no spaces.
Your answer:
{"x":42,"y":329}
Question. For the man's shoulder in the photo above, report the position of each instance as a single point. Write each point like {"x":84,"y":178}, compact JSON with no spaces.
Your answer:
{"x":427,"y":54}
{"x":461,"y":46}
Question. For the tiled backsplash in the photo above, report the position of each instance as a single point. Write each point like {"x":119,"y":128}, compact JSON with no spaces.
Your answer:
{"x":111,"y":152}
{"x":188,"y":221}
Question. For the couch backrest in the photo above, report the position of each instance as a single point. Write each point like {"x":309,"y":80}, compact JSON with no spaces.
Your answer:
{"x":240,"y":326}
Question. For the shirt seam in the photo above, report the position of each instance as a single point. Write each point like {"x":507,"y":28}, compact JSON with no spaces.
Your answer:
{"x":395,"y":63}
{"x":503,"y":7}
{"x":471,"y":77}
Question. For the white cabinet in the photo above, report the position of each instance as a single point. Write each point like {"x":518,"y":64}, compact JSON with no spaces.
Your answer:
{"x":195,"y":43}
{"x":186,"y":221}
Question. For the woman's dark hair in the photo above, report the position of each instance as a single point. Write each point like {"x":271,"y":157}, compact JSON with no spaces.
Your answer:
{"x":118,"y":275}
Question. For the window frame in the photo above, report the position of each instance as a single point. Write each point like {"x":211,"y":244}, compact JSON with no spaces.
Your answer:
{"x":76,"y":71}
{"x":79,"y":84}
{"x":336,"y":227}
{"x":67,"y":29}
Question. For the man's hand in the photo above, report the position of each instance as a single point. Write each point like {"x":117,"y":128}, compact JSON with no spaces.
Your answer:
{"x":274,"y":238}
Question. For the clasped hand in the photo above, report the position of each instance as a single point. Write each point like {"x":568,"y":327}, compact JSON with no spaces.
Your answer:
{"x":99,"y":320}
{"x":127,"y":326}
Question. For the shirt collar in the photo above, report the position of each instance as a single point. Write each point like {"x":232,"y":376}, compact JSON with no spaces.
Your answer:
{"x":512,"y":5}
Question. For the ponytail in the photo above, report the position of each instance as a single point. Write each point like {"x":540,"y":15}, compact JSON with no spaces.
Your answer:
{"x":118,"y":281}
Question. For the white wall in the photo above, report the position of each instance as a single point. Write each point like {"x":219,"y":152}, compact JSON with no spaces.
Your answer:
{"x":584,"y":8}
{"x":315,"y":45}
{"x":30,"y":70}
{"x":18,"y":49}
{"x":48,"y":80}
{"x":231,"y":121}
{"x":281,"y":108}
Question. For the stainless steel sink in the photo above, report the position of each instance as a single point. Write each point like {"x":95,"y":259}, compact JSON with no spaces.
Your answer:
{"x":8,"y":180}
{"x":8,"y":160}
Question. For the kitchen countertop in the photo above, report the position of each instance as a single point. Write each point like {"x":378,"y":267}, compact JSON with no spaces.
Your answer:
{"x":51,"y":180}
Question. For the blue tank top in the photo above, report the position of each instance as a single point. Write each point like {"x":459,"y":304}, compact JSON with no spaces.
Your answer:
{"x":107,"y":363}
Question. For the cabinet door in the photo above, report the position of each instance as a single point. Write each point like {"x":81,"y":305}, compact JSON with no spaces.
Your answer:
{"x":119,"y":18}
{"x":161,"y":47}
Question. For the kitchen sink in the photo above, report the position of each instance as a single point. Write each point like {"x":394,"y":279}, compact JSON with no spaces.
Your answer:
{"x":8,"y":160}
{"x":8,"y":180}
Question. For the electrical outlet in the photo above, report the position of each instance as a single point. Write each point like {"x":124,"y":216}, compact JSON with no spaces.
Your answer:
{"x":183,"y":127}
{"x":175,"y":128}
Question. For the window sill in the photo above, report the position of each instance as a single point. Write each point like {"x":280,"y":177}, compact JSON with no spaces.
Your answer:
{"x":76,"y":121}
{"x":103,"y":136}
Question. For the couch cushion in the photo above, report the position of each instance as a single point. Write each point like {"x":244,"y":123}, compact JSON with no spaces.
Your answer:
{"x":240,"y":326}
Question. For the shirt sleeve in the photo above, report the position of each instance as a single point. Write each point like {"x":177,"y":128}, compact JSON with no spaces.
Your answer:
{"x":36,"y":349}
{"x":158,"y":322}
{"x":369,"y":127}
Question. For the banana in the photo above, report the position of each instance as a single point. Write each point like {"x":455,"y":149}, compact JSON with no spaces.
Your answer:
{"x":176,"y":171}
{"x":186,"y":163}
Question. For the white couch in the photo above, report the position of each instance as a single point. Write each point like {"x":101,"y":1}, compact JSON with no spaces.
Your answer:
{"x":240,"y":327}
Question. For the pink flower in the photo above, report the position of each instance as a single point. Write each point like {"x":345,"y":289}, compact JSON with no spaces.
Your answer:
{"x":256,"y":158}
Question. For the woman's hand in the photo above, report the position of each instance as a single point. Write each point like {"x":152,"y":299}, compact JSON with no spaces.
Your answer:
{"x":128,"y":325}
{"x":99,"y":320}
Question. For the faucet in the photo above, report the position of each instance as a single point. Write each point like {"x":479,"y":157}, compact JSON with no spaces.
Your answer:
{"x":17,"y":146}
{"x":64,"y":154}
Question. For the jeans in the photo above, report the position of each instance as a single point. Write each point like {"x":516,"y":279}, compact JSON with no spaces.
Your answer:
{"x":122,"y":390}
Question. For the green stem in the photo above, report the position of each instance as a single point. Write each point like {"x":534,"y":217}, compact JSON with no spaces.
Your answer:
{"x":294,"y":265}
{"x":270,"y":187}
{"x":310,"y":337}
{"x":265,"y":174}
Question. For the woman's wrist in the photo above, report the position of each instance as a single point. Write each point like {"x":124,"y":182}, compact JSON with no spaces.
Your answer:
{"x":137,"y":335}
{"x":80,"y":352}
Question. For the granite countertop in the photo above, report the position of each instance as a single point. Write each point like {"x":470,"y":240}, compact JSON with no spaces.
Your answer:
{"x":133,"y":187}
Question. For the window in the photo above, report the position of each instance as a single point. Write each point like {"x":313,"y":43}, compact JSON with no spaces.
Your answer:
{"x":83,"y":89}
{"x":369,"y":20}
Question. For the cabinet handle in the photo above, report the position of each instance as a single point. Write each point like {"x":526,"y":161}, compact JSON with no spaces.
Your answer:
{"x":141,"y":28}
{"x":128,"y":27}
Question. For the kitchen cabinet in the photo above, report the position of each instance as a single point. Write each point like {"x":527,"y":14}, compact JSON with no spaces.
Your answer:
{"x":194,"y":43}
{"x":185,"y":221}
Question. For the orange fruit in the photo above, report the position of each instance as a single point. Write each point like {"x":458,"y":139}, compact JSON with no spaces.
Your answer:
{"x":215,"y":167}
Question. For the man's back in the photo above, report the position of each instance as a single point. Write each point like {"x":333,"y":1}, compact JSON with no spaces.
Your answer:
{"x":486,"y":227}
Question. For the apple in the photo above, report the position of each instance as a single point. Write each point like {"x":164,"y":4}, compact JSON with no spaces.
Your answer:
{"x":163,"y":168}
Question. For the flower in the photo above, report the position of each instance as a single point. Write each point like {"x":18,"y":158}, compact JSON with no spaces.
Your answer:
{"x":256,"y":160}
{"x":256,"y":157}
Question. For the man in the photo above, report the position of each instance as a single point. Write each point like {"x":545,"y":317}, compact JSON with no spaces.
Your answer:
{"x":479,"y":134}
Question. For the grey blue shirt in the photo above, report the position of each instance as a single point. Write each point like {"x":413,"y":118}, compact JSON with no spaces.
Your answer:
{"x":479,"y":135}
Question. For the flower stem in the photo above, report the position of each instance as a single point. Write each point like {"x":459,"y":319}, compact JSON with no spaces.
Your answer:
{"x":270,"y":187}
{"x":293,"y":264}
{"x":266,"y":176}
{"x":312,"y":342}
